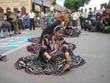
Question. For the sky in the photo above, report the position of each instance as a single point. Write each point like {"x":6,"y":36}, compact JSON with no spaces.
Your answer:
{"x":61,"y":2}
{"x":95,"y":3}
{"x":92,"y":3}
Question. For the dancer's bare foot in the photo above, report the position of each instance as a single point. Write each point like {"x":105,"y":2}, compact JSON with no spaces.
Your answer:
{"x":65,"y":68}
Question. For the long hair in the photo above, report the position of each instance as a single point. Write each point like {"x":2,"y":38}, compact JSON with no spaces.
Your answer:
{"x":49,"y":29}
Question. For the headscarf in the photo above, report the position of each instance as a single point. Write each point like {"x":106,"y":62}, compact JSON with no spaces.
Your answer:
{"x":49,"y":29}
{"x":57,"y":28}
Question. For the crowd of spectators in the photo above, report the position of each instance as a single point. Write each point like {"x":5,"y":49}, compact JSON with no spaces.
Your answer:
{"x":96,"y":20}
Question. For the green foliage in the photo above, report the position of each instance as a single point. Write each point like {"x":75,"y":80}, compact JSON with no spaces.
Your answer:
{"x":75,"y":4}
{"x":106,"y":4}
{"x":109,"y":3}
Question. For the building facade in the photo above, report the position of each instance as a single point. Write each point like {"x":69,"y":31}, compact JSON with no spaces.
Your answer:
{"x":26,"y":5}
{"x":19,"y":4}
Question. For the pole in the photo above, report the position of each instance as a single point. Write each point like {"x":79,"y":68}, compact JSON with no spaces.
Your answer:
{"x":42,"y":5}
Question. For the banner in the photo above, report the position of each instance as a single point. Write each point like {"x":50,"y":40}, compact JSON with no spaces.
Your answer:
{"x":52,"y":7}
{"x":37,"y":1}
{"x":37,"y":7}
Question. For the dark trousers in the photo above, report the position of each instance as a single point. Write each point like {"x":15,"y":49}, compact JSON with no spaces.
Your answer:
{"x":32,"y":24}
{"x":82,"y":22}
{"x":21,"y":27}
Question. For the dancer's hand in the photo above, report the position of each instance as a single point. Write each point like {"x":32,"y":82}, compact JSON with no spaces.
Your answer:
{"x":68,"y":58}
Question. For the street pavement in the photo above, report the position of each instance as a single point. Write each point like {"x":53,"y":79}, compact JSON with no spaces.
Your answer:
{"x":94,"y":47}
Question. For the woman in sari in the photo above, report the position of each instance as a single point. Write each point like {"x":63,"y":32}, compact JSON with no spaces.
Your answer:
{"x":53,"y":57}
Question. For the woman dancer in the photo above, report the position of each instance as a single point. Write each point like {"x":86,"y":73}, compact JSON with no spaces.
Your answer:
{"x":53,"y":57}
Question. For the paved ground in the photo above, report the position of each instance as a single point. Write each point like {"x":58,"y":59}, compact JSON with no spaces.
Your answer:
{"x":93,"y":47}
{"x":16,"y":41}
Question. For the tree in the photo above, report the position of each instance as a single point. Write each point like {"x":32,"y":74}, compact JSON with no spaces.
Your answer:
{"x":109,"y":3}
{"x":75,"y":4}
{"x":104,"y":4}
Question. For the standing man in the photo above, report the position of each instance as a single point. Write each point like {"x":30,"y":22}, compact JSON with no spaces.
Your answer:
{"x":31,"y":17}
{"x":75,"y":17}
{"x":1,"y":22}
{"x":42,"y":20}
{"x":14,"y":17}
{"x":82,"y":18}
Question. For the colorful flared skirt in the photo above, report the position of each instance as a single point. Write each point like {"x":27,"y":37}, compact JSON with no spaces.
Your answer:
{"x":33,"y":64}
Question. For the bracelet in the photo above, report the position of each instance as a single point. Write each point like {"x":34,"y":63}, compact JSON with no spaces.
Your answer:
{"x":47,"y":55}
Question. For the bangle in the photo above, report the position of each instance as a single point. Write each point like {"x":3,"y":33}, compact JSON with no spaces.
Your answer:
{"x":47,"y":55}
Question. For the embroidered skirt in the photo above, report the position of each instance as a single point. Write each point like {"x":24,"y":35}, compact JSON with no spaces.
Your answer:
{"x":33,"y":65}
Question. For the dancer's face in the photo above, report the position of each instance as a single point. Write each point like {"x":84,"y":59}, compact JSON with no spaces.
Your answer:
{"x":59,"y":34}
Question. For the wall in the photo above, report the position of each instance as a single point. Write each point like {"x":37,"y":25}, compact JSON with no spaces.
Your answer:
{"x":15,"y":4}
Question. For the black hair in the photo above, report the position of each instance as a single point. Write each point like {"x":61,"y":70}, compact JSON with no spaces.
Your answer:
{"x":49,"y":29}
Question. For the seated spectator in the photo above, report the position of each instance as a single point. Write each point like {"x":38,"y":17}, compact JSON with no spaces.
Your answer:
{"x":98,"y":23}
{"x":106,"y":24}
{"x":93,"y":26}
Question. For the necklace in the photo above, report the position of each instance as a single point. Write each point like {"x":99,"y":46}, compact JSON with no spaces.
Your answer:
{"x":55,"y":44}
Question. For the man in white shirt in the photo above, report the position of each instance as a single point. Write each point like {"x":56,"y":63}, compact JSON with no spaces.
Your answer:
{"x":82,"y":18}
{"x":101,"y":10}
{"x":75,"y":16}
{"x":31,"y":16}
